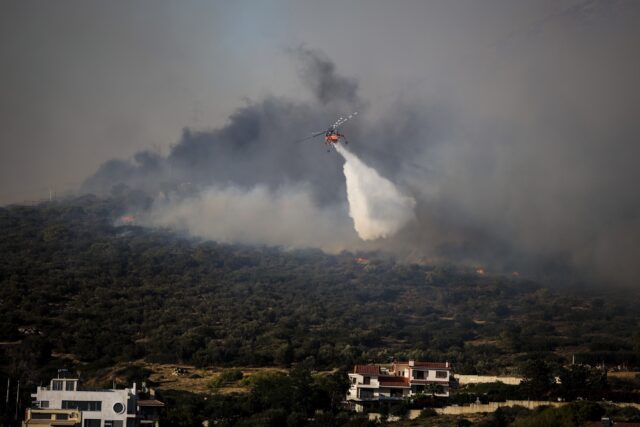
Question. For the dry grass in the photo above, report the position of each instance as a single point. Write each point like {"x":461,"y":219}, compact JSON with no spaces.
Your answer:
{"x":163,"y":377}
{"x":627,"y":375}
{"x":482,"y":341}
{"x":197,"y":380}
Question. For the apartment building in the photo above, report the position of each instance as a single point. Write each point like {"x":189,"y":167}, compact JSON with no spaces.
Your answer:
{"x":63,"y":402}
{"x":373,"y":383}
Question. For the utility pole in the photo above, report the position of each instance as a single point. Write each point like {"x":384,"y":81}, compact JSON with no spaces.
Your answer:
{"x":17,"y":399}
{"x":6,"y":404}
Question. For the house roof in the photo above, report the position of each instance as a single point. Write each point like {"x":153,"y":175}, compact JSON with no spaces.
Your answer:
{"x":394,"y":382}
{"x":614,"y":424}
{"x":429,"y":365}
{"x":367,"y":369}
{"x":432,"y":365}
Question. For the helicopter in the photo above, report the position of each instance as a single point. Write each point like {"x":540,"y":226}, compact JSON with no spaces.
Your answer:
{"x":331,"y":135}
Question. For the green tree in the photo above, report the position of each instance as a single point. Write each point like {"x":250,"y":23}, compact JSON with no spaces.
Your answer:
{"x":538,"y":378}
{"x":432,"y":389}
{"x":581,"y":381}
{"x":330,"y":390}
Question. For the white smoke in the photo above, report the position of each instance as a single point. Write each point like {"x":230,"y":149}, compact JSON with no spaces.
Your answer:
{"x":377,"y":207}
{"x":285,"y":217}
{"x":288,"y":216}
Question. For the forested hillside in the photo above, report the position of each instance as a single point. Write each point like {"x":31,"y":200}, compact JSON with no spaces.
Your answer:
{"x":74,"y":283}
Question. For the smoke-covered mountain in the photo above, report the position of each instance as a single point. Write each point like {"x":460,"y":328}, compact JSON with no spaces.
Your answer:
{"x":527,"y":162}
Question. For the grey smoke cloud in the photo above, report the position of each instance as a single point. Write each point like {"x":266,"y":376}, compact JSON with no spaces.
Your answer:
{"x":319,"y":73}
{"x":286,"y":217}
{"x":513,"y":125}
{"x":250,"y":181}
{"x":527,"y":164}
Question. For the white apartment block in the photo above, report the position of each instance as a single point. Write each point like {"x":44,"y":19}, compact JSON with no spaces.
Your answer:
{"x":373,"y":383}
{"x":63,"y":403}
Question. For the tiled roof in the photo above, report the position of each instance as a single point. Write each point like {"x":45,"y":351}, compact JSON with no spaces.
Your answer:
{"x":394,"y":382}
{"x":614,"y":424}
{"x":429,"y":365}
{"x":367,"y":369}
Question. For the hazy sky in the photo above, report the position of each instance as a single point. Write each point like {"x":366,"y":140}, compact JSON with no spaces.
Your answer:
{"x":85,"y":81}
{"x":512,"y":124}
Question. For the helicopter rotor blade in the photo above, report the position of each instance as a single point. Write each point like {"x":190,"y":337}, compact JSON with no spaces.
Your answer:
{"x":342,"y":120}
{"x":311,"y":136}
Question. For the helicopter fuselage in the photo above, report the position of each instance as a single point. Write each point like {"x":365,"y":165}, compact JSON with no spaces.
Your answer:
{"x":333,"y":137}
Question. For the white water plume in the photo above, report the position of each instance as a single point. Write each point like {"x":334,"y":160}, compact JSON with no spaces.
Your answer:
{"x":377,"y":207}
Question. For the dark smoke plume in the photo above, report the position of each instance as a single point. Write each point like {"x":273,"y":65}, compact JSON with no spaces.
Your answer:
{"x":528,"y":163}
{"x":319,"y":73}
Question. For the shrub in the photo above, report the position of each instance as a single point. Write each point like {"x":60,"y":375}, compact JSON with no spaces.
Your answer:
{"x":428,"y":413}
{"x":226,"y":377}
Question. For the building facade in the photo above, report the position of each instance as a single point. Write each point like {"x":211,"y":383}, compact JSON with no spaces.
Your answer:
{"x":62,"y":402}
{"x":374,"y":383}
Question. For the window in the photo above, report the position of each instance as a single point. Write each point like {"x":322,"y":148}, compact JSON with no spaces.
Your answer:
{"x":416,"y":389}
{"x":442,"y":374}
{"x":44,"y":403}
{"x":354,"y":380}
{"x":366,"y":380}
{"x":363,"y":394}
{"x":118,"y":408}
{"x":40,"y":415}
{"x":113,"y":423}
{"x":91,"y":423}
{"x":83,"y":405}
{"x":56,"y":385}
{"x":70,"y":385}
{"x":395,"y":392}
{"x":418,"y":375}
{"x":62,"y":416}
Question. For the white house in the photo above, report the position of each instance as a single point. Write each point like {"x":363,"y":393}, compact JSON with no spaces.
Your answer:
{"x":96,"y":408}
{"x":372,"y":383}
